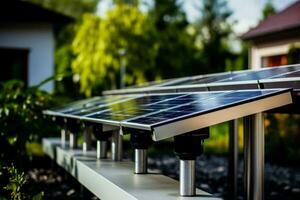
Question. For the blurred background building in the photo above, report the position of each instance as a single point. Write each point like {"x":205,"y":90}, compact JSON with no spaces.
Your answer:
{"x":272,"y":39}
{"x":27,"y":42}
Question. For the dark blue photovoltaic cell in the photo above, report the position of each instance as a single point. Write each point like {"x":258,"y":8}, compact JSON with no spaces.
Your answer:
{"x":83,"y":112}
{"x":289,"y":75}
{"x":242,"y":76}
{"x":75,"y":105}
{"x":136,"y":107}
{"x":247,"y":94}
{"x":199,"y":105}
{"x":205,"y":79}
{"x":150,"y":104}
{"x":99,"y":102}
{"x":261,"y":74}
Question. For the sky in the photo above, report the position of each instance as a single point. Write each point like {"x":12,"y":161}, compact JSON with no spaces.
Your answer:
{"x":247,"y":13}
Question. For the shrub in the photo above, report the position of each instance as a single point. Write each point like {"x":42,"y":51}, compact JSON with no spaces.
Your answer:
{"x":21,"y":120}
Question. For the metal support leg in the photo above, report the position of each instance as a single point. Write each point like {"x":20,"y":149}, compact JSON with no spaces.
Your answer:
{"x":233,"y":159}
{"x":140,"y":141}
{"x":187,"y":147}
{"x":254,"y":157}
{"x":73,"y":140}
{"x":116,"y":146}
{"x":63,"y":137}
{"x":74,"y":128}
{"x":140,"y":164}
{"x":101,"y":149}
{"x":87,"y":141}
{"x":187,"y":178}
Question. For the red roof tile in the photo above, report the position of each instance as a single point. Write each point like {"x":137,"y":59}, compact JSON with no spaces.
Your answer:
{"x":287,"y":19}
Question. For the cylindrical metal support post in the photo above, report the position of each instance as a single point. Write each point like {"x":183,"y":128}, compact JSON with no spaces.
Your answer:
{"x":140,"y":141}
{"x":116,"y":146}
{"x":63,"y":137}
{"x":72,"y":140}
{"x":140,"y":164}
{"x":233,"y":158}
{"x":101,"y":149}
{"x":87,"y":138}
{"x":187,"y":178}
{"x":187,"y":147}
{"x":254,"y":157}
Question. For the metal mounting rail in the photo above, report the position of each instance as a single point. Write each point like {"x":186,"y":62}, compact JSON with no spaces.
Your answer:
{"x":108,"y":179}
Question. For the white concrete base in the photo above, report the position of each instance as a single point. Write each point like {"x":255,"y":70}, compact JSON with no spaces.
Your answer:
{"x":115,"y":180}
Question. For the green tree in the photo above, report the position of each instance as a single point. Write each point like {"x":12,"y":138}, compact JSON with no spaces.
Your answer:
{"x":214,"y":30}
{"x":64,"y":36}
{"x":98,"y":43}
{"x":238,"y":61}
{"x":268,"y":10}
{"x":176,"y":53}
{"x":293,"y":56}
{"x":74,"y":8}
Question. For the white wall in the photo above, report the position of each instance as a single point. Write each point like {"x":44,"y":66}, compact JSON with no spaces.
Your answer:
{"x":39,"y":39}
{"x":259,"y":51}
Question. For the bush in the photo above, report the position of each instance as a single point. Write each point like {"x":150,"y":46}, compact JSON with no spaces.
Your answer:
{"x":21,"y":120}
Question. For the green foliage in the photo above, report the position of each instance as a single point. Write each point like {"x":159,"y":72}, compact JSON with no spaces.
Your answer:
{"x":63,"y":59}
{"x":177,"y":53}
{"x":282,"y":137}
{"x":214,"y":29}
{"x":38,"y":196}
{"x":268,"y":10}
{"x":238,"y":61}
{"x":64,"y":36}
{"x":21,"y":119}
{"x":15,"y":186}
{"x":293,"y":56}
{"x":16,"y":182}
{"x":98,"y":44}
{"x":75,"y":8}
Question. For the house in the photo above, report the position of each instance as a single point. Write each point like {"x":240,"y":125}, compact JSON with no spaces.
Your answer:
{"x":271,"y":39}
{"x":27,"y":42}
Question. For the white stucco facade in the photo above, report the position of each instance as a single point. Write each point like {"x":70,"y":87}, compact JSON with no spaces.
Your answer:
{"x":266,"y":49}
{"x":38,"y":38}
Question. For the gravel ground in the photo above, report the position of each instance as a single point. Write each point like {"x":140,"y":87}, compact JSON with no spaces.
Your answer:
{"x":57,"y":184}
{"x":280,"y":182}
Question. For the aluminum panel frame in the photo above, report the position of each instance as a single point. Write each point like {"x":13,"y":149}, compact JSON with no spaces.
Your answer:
{"x":219,"y":116}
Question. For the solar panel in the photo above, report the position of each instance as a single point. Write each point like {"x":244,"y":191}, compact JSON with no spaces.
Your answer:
{"x":199,"y":103}
{"x":290,"y":74}
{"x":286,"y":80}
{"x":74,"y":105}
{"x":246,"y":79}
{"x":259,"y":74}
{"x":157,"y":111}
{"x":158,"y":83}
{"x":135,"y":107}
{"x":203,"y":79}
{"x":85,"y":105}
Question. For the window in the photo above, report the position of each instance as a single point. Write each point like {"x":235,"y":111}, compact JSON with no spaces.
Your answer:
{"x":13,"y":64}
{"x":272,"y":61}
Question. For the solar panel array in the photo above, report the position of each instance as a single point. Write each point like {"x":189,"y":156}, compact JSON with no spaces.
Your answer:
{"x":149,"y":111}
